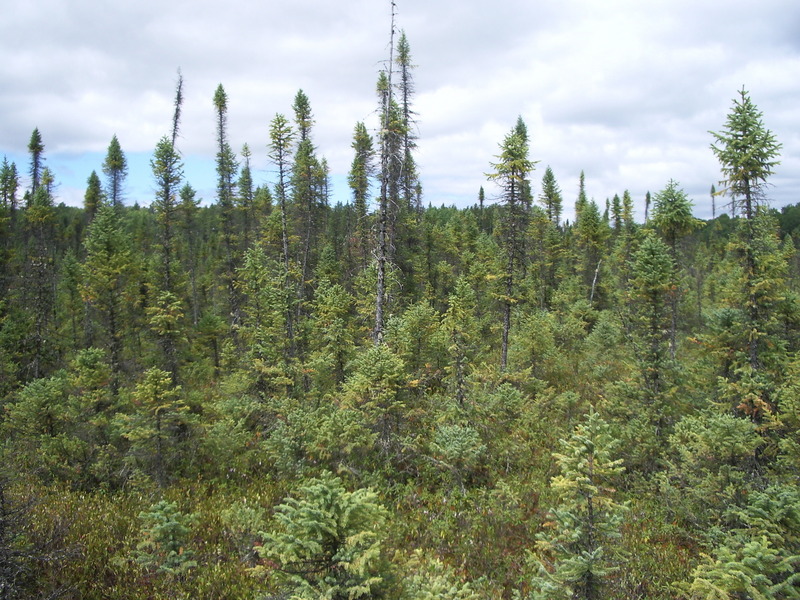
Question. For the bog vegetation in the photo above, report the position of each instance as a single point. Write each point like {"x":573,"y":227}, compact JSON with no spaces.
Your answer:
{"x":270,"y":397}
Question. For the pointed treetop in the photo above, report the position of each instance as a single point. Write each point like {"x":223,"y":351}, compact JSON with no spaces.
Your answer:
{"x":302,"y":115}
{"x":220,"y":99}
{"x":747,"y":152}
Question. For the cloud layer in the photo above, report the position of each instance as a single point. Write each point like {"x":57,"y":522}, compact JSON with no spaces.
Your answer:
{"x":624,"y":90}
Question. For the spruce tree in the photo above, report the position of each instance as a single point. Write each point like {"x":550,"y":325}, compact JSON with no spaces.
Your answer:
{"x":39,"y":271}
{"x":105,"y":281}
{"x":281,"y":136}
{"x":36,"y":150}
{"x":327,"y":543}
{"x":9,"y":184}
{"x":361,"y":171}
{"x":115,"y":168}
{"x":93,"y":198}
{"x":307,"y":201}
{"x":511,"y":172}
{"x":747,"y":152}
{"x":226,"y":198}
{"x":247,"y":197}
{"x":551,"y":197}
{"x":165,"y":310}
{"x":577,"y":551}
{"x":408,"y":174}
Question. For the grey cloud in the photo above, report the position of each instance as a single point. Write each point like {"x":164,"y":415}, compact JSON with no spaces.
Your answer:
{"x":625,"y":90}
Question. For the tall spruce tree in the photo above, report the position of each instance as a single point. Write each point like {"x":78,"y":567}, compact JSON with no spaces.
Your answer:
{"x":511,"y":172}
{"x":388,"y":195}
{"x":361,"y":171}
{"x":306,"y":199}
{"x":93,"y":197}
{"x":9,"y":185}
{"x":408,"y":171}
{"x":105,"y":281}
{"x":115,"y":168}
{"x":748,"y":152}
{"x":247,"y":197}
{"x":551,"y":197}
{"x":165,"y":311}
{"x":39,"y":273}
{"x":226,"y":198}
{"x":36,"y":150}
{"x":280,"y":154}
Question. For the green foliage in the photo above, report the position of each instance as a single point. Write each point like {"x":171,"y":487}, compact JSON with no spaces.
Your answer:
{"x":165,"y":532}
{"x":327,"y":541}
{"x":115,"y":168}
{"x":760,"y":555}
{"x":714,"y":457}
{"x":160,"y":419}
{"x":459,"y":449}
{"x":672,"y":214}
{"x":434,"y":580}
{"x":576,"y":551}
{"x":375,"y":388}
{"x":747,"y":152}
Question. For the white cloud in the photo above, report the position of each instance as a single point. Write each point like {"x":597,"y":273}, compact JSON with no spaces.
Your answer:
{"x":624,"y":90}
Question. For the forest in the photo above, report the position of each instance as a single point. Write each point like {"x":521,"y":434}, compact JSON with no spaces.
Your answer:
{"x":269,"y":396}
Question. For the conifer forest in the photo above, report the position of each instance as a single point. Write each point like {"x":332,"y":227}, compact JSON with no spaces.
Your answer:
{"x":266,"y":395}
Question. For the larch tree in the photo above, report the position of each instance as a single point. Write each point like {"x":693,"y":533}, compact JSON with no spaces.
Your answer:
{"x":327,"y":541}
{"x":157,"y":426}
{"x":672,"y":215}
{"x":115,"y":168}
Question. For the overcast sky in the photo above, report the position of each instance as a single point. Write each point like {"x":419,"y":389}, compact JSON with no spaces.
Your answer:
{"x":625,"y":90}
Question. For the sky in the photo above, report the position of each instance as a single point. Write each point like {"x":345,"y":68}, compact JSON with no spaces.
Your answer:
{"x":624,"y":90}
